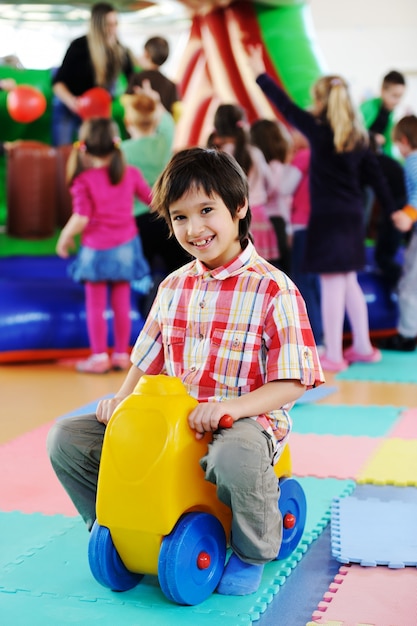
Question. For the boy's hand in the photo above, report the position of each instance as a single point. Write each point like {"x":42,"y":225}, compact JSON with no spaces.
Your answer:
{"x":402,"y":221}
{"x":106,"y":408}
{"x":205,"y":418}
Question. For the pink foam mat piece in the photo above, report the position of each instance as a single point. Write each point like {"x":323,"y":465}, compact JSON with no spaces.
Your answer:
{"x":406,"y":425}
{"x":371,"y":596}
{"x":28,"y":483}
{"x":330,"y":456}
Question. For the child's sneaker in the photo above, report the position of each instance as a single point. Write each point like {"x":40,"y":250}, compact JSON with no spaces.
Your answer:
{"x":120,"y":361}
{"x":240,"y":578}
{"x":352,"y":356}
{"x":333,"y":366}
{"x":95,"y":364}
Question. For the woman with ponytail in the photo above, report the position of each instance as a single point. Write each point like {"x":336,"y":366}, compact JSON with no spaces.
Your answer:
{"x":341,"y":162}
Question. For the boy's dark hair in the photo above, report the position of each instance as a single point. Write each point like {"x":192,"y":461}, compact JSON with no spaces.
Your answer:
{"x":393,"y":78}
{"x":212,"y":170}
{"x":406,"y":127}
{"x":158,"y":49}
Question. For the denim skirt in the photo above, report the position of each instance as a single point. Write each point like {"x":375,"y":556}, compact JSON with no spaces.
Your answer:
{"x":121,"y":263}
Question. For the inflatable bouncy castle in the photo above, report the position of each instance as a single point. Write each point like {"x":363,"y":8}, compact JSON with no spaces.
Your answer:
{"x":42,"y":311}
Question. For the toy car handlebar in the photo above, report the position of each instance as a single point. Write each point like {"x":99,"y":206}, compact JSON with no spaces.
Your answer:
{"x":226,"y":421}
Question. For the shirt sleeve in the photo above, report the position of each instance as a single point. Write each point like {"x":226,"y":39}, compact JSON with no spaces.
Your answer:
{"x":295,"y":115}
{"x":148,"y":351}
{"x":82,"y":201}
{"x":291,"y":349}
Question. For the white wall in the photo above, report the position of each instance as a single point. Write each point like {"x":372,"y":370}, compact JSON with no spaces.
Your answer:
{"x":363,"y":39}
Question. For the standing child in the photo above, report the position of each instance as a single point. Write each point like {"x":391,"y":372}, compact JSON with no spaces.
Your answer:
{"x":405,"y":136}
{"x":149,"y":148}
{"x":335,"y":247}
{"x":268,"y":136}
{"x":378,"y":113}
{"x":155,"y":53}
{"x":103,"y":189}
{"x":307,"y":282}
{"x":234,"y":329}
{"x":231,"y":136}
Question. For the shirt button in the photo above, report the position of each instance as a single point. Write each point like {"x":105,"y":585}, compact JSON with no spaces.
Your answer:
{"x":202,"y":304}
{"x":192,"y":369}
{"x":201,"y":336}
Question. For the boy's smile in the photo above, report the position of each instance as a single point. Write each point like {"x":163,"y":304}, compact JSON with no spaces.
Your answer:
{"x":205,"y":228}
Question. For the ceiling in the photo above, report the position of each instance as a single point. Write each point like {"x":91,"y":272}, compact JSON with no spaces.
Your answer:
{"x":131,"y":10}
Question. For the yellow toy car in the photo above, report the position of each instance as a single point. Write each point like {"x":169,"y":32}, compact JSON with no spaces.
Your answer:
{"x":156,"y":513}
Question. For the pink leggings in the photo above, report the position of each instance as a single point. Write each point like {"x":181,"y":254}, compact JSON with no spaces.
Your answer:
{"x":96,"y":302}
{"x":342,"y":293}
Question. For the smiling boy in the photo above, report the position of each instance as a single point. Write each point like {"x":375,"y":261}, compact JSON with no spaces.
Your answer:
{"x":235,"y":330}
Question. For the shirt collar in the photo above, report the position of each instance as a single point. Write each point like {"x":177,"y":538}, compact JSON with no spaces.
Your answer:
{"x":236,"y":266}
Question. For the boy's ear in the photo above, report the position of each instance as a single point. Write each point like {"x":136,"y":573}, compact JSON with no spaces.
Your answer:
{"x":241,"y":212}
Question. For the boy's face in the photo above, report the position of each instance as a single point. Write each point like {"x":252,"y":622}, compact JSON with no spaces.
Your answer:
{"x":391,"y":96}
{"x":205,"y":228}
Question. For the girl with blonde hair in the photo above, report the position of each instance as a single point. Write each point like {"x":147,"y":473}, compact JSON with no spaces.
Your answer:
{"x":341,"y":163}
{"x":93,"y":60}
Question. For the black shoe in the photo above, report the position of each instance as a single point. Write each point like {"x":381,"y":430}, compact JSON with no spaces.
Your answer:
{"x":398,"y":342}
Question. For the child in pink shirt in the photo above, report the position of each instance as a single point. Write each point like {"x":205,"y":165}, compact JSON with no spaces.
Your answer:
{"x":103,"y":189}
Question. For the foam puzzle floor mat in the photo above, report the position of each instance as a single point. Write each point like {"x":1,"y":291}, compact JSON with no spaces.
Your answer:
{"x":395,"y":367}
{"x":390,"y":598}
{"x":362,"y":531}
{"x":54,"y":565}
{"x":357,"y":420}
{"x":338,"y":452}
{"x":381,"y":469}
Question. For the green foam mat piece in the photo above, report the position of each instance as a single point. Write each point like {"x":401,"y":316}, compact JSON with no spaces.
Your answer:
{"x":56,"y":567}
{"x":355,"y":420}
{"x":21,"y":535}
{"x":319,"y":493}
{"x":395,"y":367}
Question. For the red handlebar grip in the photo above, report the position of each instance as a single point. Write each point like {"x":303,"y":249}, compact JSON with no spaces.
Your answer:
{"x":226,"y":421}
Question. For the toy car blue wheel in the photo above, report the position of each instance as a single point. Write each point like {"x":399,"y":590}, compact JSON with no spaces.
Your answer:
{"x":106,"y":565}
{"x":191,"y":559}
{"x":293,"y":506}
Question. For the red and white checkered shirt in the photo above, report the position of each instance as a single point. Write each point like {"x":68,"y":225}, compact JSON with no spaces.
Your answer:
{"x":228,"y":331}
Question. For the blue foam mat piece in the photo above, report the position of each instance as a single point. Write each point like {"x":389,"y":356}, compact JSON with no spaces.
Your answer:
{"x":303,"y":590}
{"x":316,"y":394}
{"x":388,"y":493}
{"x":374,"y":532}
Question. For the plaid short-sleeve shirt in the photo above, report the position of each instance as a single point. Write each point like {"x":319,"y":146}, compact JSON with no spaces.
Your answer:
{"x":228,"y":331}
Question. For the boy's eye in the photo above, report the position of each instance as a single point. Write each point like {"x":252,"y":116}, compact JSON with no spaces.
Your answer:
{"x":206,"y":209}
{"x":177,"y":218}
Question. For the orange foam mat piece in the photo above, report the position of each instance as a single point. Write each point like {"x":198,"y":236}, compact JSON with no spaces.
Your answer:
{"x":28,"y":483}
{"x":394,"y":463}
{"x":376,"y":596}
{"x":330,"y":456}
{"x":406,"y":425}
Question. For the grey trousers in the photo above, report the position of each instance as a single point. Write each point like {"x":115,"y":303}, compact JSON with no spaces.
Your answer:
{"x":238,"y":462}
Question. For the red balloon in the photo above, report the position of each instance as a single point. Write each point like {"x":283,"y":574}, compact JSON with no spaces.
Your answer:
{"x":95,"y":102}
{"x":25,"y":103}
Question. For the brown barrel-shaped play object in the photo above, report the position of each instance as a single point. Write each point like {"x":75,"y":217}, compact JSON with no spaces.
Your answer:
{"x":31,"y":190}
